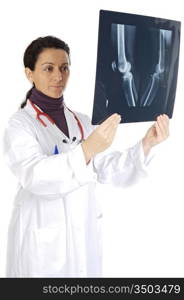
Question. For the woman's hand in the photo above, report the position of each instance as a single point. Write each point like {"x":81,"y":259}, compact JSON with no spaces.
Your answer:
{"x":157,"y":133}
{"x":101,"y":138}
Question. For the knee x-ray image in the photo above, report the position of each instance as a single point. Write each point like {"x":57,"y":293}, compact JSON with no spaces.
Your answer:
{"x":137,"y":67}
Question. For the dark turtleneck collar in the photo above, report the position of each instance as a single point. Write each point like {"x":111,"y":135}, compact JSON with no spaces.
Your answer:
{"x":46,"y":103}
{"x":54,"y":107}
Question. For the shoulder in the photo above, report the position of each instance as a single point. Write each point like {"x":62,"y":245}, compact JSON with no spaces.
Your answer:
{"x":20,"y":120}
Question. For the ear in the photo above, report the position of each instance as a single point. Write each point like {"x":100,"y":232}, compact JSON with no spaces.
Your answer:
{"x":29,"y":74}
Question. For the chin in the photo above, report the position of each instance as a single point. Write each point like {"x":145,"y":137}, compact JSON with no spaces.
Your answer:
{"x":56,"y":95}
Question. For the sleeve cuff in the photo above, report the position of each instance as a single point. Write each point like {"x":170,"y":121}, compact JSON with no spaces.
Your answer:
{"x":141,"y":161}
{"x":83,"y":172}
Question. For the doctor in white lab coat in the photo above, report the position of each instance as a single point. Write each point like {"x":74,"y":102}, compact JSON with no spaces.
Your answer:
{"x":55,"y":224}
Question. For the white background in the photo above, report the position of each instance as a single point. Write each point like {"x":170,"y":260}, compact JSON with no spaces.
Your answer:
{"x":143,"y":225}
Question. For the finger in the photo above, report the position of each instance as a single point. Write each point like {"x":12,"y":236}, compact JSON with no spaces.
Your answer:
{"x":158,"y":131}
{"x":165,"y":119}
{"x":111,"y":122}
{"x":164,"y":124}
{"x":163,"y":128}
{"x":108,"y":121}
{"x":112,"y":125}
{"x":110,"y":131}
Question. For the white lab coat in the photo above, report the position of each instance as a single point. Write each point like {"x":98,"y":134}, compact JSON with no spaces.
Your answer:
{"x":55,"y":225}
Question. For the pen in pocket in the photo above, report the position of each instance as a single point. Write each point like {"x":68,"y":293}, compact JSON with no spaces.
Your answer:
{"x":56,"y":150}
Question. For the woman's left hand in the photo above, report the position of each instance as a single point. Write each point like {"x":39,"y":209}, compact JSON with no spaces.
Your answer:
{"x":157,"y":133}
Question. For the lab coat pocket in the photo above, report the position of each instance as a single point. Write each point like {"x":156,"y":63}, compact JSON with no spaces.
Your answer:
{"x":47,"y":251}
{"x":52,"y":249}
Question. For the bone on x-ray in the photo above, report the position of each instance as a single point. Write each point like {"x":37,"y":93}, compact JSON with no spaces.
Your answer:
{"x":137,"y":67}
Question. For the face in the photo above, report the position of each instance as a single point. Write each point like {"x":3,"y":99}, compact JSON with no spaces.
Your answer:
{"x":51,"y":72}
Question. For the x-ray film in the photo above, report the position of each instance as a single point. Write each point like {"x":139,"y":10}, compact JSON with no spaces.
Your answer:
{"x":137,"y":67}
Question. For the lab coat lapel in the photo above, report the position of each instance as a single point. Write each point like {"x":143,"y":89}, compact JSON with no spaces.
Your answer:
{"x":57,"y":135}
{"x":73,"y":127}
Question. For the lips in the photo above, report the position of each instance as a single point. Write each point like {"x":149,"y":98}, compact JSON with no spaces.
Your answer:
{"x":57,"y":87}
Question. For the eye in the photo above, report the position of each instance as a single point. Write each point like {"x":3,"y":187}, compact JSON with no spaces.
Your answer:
{"x":65,"y":69}
{"x":48,"y":69}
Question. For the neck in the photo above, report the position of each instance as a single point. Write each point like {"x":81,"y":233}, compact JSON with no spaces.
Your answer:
{"x":46,"y":103}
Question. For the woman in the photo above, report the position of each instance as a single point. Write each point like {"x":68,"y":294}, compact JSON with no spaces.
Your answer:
{"x":54,"y":153}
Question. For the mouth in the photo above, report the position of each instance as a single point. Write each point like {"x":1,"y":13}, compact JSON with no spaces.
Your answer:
{"x":57,"y":87}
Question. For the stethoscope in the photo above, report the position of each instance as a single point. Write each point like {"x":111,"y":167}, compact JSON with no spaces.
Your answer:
{"x":41,"y":113}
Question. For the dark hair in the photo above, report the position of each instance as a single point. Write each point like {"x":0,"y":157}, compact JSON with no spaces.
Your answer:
{"x":35,"y":48}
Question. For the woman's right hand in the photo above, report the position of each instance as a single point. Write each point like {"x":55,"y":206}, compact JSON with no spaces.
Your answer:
{"x":101,"y":138}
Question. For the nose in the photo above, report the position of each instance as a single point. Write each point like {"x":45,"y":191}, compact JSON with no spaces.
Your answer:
{"x":58,"y":75}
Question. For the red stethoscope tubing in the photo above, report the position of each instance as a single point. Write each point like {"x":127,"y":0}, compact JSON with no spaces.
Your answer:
{"x":40,"y":113}
{"x":78,"y":123}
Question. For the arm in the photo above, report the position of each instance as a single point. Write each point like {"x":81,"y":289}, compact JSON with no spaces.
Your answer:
{"x":125,"y":168}
{"x":122,"y":168}
{"x":156,"y":133}
{"x":37,"y":172}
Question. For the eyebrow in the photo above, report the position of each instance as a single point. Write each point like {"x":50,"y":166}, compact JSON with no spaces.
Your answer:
{"x":50,"y":63}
